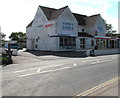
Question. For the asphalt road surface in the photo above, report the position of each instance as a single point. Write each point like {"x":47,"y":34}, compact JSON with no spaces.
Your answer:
{"x":61,"y":77}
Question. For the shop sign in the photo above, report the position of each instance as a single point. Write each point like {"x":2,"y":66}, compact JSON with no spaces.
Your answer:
{"x":49,"y":25}
{"x":40,"y":26}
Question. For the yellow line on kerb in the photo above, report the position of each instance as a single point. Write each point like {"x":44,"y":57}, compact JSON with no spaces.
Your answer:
{"x":97,"y":87}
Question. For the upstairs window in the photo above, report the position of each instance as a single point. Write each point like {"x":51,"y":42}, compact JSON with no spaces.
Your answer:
{"x":100,"y":29}
{"x":36,"y":40}
{"x":67,"y":26}
{"x":96,"y":33}
{"x":83,"y":30}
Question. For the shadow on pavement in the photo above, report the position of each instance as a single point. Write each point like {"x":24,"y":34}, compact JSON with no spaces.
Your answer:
{"x":71,"y":54}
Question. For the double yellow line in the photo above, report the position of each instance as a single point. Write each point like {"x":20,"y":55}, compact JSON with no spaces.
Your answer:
{"x":98,"y":87}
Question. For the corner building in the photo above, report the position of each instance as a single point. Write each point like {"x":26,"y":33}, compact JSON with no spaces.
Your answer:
{"x":61,"y":30}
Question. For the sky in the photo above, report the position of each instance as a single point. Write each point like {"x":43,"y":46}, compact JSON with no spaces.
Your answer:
{"x":15,"y":15}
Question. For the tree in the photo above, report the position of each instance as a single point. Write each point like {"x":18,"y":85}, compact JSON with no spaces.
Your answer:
{"x":109,"y":28}
{"x":14,"y":36}
{"x":18,"y":36}
{"x":2,"y":36}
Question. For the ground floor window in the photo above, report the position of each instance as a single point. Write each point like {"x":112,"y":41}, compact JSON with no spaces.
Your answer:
{"x":113,"y":44}
{"x":36,"y":46}
{"x":67,"y":42}
{"x":82,"y":43}
{"x":106,"y":43}
{"x":118,"y":43}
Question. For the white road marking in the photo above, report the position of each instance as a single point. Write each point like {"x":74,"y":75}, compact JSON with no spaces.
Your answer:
{"x":44,"y":72}
{"x":74,"y":64}
{"x":36,"y":68}
{"x":19,"y":71}
{"x":114,"y":57}
{"x":88,"y":60}
{"x":52,"y":66}
{"x":100,"y":61}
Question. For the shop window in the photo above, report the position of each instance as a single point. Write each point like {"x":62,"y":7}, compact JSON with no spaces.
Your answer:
{"x":74,"y":41}
{"x":36,"y":46}
{"x":92,"y":42}
{"x":67,"y":42}
{"x":61,"y":41}
{"x":107,"y":43}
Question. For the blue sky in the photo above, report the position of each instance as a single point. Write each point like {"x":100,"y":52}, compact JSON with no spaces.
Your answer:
{"x":113,"y":10}
{"x":17,"y":14}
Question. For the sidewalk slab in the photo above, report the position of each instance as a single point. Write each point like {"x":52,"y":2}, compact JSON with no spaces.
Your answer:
{"x":110,"y":89}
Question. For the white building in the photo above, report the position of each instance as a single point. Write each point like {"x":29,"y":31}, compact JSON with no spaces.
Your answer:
{"x":61,"y":30}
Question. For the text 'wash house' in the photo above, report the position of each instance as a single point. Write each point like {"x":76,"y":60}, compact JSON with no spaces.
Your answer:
{"x":61,"y":30}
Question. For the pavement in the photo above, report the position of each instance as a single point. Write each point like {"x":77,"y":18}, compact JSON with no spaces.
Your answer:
{"x":109,"y":88}
{"x":113,"y":91}
{"x":37,"y":56}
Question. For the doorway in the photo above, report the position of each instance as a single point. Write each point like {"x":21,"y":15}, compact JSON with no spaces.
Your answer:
{"x":82,"y":43}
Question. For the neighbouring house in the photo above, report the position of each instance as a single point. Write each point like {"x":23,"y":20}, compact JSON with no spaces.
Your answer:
{"x":61,"y":30}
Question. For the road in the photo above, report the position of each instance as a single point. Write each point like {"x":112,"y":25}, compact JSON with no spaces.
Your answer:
{"x":61,"y":77}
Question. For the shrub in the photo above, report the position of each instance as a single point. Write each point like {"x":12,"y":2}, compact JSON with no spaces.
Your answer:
{"x":4,"y":60}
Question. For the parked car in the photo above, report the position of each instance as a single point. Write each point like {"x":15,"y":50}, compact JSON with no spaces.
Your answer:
{"x":14,"y":48}
{"x":12,"y":45}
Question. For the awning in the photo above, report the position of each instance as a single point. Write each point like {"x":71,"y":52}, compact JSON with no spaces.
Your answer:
{"x":63,"y":35}
{"x":102,"y":37}
{"x":83,"y":34}
{"x":118,"y":38}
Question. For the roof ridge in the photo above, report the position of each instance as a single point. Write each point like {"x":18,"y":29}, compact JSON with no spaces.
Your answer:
{"x":54,"y":8}
{"x":48,"y":7}
{"x":94,"y":15}
{"x":52,"y":13}
{"x":79,"y":14}
{"x":63,"y":7}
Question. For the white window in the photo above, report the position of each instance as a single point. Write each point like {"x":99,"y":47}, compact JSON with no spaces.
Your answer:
{"x":67,"y":26}
{"x":100,"y":29}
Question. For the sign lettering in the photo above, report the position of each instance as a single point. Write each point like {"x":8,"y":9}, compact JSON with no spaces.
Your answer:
{"x":49,"y":25}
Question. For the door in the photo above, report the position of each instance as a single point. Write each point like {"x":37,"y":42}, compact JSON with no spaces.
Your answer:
{"x":82,"y":43}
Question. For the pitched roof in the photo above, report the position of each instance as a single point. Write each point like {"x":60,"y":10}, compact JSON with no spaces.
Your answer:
{"x":90,"y":21}
{"x":80,"y":18}
{"x":52,"y":13}
{"x":30,"y":24}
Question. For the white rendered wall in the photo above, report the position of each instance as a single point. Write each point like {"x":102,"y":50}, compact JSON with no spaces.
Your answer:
{"x":66,"y":16}
{"x":94,"y":28}
{"x":39,"y":31}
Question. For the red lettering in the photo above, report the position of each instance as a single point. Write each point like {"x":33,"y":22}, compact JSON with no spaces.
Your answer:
{"x":48,"y":25}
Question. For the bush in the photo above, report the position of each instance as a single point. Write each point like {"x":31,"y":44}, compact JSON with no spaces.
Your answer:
{"x":5,"y":60}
